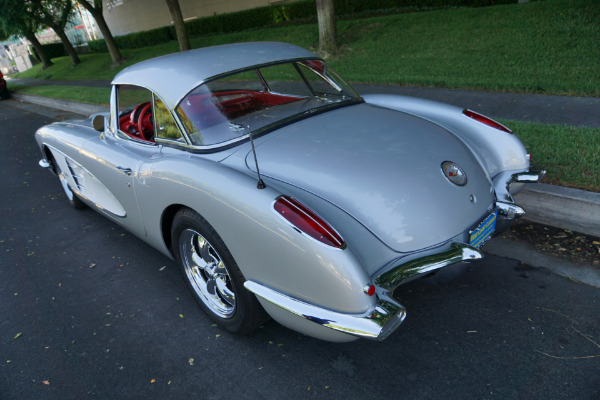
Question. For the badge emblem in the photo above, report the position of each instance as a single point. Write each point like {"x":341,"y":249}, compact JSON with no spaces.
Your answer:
{"x":454,"y":173}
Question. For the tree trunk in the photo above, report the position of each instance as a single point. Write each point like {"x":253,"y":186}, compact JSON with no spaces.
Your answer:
{"x":327,"y":29}
{"x":182,"y":36}
{"x":111,"y":45}
{"x":39,"y":49}
{"x":68,"y":46}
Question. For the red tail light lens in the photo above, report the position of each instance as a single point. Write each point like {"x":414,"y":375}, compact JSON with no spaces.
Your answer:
{"x":306,"y":221}
{"x":485,"y":120}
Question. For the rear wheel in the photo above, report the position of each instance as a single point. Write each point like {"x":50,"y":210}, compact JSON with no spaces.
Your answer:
{"x":213,"y":275}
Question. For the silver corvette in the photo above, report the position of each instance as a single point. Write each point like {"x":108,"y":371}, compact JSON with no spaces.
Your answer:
{"x":281,"y":192}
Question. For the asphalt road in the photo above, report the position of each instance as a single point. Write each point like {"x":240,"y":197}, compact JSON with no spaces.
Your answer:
{"x":87,"y":311}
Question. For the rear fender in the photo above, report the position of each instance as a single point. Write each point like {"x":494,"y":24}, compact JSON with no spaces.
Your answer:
{"x":265,"y":246}
{"x":497,"y":151}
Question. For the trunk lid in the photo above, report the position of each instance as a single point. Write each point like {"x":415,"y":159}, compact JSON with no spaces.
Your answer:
{"x":383,"y":167}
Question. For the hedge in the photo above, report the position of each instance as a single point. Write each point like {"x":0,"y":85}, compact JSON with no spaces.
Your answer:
{"x":51,"y":50}
{"x":136,"y":40}
{"x":302,"y":11}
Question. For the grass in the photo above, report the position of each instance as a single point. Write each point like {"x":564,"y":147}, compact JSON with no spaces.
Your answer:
{"x":82,"y":94}
{"x":538,"y":47}
{"x":569,"y":154}
{"x":541,"y":47}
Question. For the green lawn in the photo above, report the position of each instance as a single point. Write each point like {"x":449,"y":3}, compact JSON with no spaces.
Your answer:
{"x":569,"y":154}
{"x":543,"y":47}
{"x":82,"y":94}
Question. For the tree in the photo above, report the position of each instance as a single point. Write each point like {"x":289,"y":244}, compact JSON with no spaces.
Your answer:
{"x":56,"y":14}
{"x":327,"y":29}
{"x":182,"y":36}
{"x":111,"y":45}
{"x":17,"y":18}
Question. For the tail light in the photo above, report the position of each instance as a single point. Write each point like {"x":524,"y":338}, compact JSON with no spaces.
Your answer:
{"x":306,"y":221}
{"x":485,"y":120}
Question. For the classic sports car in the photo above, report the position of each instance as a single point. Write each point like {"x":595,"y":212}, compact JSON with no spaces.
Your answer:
{"x":278,"y":189}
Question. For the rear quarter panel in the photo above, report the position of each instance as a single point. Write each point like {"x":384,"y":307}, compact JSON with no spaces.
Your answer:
{"x":497,"y":151}
{"x":266,"y":248}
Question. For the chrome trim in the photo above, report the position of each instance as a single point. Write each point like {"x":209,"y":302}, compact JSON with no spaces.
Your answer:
{"x":377,"y":323}
{"x":503,"y":181}
{"x":392,"y":278}
{"x":510,"y":210}
{"x":125,"y":170}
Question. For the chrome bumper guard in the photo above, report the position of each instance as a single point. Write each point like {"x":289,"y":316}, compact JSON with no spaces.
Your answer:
{"x":504,"y":180}
{"x":44,"y":163}
{"x":505,"y":202}
{"x":376,"y":324}
{"x":392,"y":278}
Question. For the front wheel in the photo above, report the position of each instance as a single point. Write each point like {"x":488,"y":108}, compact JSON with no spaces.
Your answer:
{"x":213,"y":275}
{"x":72,"y":197}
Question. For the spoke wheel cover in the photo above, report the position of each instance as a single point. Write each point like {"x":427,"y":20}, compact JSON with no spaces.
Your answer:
{"x":207,"y":273}
{"x":65,"y":186}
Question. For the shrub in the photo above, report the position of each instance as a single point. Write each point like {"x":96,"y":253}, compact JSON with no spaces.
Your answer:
{"x":52,"y":50}
{"x":136,"y":40}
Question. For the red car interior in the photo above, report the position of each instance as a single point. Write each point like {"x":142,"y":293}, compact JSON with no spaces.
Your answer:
{"x":205,"y":110}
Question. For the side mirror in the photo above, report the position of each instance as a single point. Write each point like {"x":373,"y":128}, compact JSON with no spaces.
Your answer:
{"x":98,"y":123}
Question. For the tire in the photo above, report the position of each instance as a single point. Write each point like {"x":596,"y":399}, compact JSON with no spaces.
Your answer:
{"x":5,"y":94}
{"x":72,"y":197}
{"x":212,"y":274}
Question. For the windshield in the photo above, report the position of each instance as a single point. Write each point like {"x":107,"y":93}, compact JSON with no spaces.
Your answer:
{"x":224,"y":109}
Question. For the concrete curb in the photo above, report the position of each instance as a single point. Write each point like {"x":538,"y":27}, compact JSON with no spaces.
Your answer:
{"x":502,"y":247}
{"x":561,"y":207}
{"x":64,"y":105}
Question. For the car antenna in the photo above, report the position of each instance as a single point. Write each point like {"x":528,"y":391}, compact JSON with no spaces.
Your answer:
{"x":260,"y":184}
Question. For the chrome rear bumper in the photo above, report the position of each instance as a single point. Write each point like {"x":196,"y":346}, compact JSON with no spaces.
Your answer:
{"x":387,"y":314}
{"x":385,"y":317}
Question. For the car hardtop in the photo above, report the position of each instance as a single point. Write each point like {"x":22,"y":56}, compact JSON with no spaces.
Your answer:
{"x":174,"y":75}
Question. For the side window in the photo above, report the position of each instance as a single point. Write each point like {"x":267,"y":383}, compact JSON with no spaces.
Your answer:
{"x":317,"y":84}
{"x":284,"y":79}
{"x":166,"y":128}
{"x":135,"y":112}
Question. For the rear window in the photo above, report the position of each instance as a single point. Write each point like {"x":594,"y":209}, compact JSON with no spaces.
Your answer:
{"x":224,"y":110}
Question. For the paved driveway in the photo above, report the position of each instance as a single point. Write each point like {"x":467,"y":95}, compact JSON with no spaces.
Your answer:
{"x":90,"y":312}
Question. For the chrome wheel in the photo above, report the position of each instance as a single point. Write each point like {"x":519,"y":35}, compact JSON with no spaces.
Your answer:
{"x":72,"y":197}
{"x":63,"y":181}
{"x":207,"y":273}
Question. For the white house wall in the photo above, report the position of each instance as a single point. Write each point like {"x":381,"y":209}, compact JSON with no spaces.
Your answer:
{"x":127,"y":16}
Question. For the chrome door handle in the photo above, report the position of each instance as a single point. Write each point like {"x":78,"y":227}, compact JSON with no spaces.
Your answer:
{"x":126,"y":171}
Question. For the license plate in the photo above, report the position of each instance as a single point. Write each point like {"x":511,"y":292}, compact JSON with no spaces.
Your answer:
{"x":483,"y":232}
